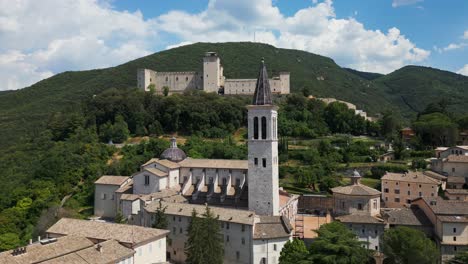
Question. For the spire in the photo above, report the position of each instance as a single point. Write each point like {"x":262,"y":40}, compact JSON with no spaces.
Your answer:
{"x":262,"y":95}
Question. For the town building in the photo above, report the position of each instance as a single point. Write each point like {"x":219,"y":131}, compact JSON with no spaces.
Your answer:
{"x":450,"y":221}
{"x":211,"y":80}
{"x":91,"y":242}
{"x":399,"y":189}
{"x":451,"y":165}
{"x":257,"y":217}
{"x":358,"y":207}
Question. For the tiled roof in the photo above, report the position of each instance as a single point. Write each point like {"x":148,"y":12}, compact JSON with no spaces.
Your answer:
{"x":262,"y":95}
{"x":105,"y":231}
{"x":166,"y":163}
{"x":215,"y":163}
{"x":156,"y":172}
{"x":225,"y":214}
{"x":454,"y":218}
{"x":435,"y":175}
{"x":111,"y":180}
{"x":447,"y":207}
{"x":360,"y":218}
{"x":37,"y":252}
{"x":411,"y":177}
{"x":126,"y":188}
{"x":356,"y":189}
{"x":456,"y":179}
{"x":111,"y":252}
{"x":457,"y":191}
{"x":163,"y":194}
{"x":271,"y":227}
{"x":412,"y":216}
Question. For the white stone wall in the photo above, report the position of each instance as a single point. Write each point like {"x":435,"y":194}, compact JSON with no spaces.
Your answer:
{"x":105,"y":202}
{"x":126,"y":261}
{"x":155,"y":183}
{"x":268,"y":249}
{"x":369,"y":233}
{"x":178,"y":81}
{"x":151,"y":252}
{"x":347,"y":204}
{"x":263,"y":180}
{"x":211,"y":74}
{"x":145,"y":77}
{"x":278,"y":85}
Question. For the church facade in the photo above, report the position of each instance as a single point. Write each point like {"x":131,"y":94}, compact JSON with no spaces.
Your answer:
{"x":255,"y":215}
{"x":212,"y":79}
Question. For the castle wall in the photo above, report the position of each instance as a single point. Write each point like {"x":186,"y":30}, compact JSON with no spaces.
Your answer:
{"x":278,"y":85}
{"x":177,"y":82}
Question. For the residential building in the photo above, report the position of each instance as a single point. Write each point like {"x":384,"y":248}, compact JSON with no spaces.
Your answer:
{"x":399,"y":189}
{"x":105,"y":203}
{"x":450,"y":221}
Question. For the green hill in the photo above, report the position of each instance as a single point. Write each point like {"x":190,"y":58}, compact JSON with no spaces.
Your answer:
{"x":26,"y":111}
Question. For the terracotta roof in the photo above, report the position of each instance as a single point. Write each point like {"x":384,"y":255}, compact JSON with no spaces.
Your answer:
{"x":105,"y":231}
{"x":285,"y":198}
{"x":126,"y":187}
{"x":411,"y":176}
{"x":457,"y":191}
{"x":457,"y":158}
{"x":271,"y":227}
{"x":360,"y":218}
{"x":356,"y":189}
{"x":156,"y":172}
{"x":166,"y":163}
{"x":435,"y":175}
{"x":412,"y":216}
{"x":130,"y":197}
{"x":456,"y":179}
{"x":111,"y":180}
{"x":111,"y":252}
{"x":262,"y":94}
{"x":447,"y":207}
{"x":215,"y":163}
{"x":38,"y":252}
{"x":225,"y":214}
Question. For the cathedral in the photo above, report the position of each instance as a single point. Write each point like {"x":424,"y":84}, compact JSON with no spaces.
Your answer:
{"x":256,"y":216}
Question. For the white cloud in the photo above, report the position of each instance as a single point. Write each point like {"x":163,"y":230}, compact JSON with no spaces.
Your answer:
{"x":315,"y":29}
{"x":39,"y":38}
{"x":465,"y":35}
{"x":398,"y":3}
{"x":45,"y":37}
{"x":464,"y":70}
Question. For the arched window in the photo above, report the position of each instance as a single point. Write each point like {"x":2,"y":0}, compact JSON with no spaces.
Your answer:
{"x":255,"y":127}
{"x":264,"y":127}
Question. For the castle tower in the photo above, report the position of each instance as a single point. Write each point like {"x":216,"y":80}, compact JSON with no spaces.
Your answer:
{"x":263,"y":149}
{"x":211,"y":72}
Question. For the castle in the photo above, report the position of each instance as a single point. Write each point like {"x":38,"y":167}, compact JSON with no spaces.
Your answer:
{"x":212,"y":80}
{"x":255,"y":215}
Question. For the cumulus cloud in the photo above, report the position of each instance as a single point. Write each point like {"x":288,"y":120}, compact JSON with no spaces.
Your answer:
{"x":398,"y":3}
{"x":82,"y":34}
{"x":66,"y":35}
{"x":315,"y":29}
{"x":464,"y":70}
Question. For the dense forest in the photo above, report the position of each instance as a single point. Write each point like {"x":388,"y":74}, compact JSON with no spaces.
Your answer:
{"x":406,"y":91}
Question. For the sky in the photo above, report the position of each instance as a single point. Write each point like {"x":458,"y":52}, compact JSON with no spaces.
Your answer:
{"x":41,"y":38}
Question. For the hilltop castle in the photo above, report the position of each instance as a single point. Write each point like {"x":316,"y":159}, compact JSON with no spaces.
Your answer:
{"x":256,"y":216}
{"x":211,"y":80}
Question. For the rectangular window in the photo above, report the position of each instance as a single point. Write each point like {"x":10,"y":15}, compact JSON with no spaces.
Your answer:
{"x":243,"y":241}
{"x":255,"y":125}
{"x":264,"y":128}
{"x":397,"y":200}
{"x":227,"y":238}
{"x":454,"y":230}
{"x":264,"y":162}
{"x":420,"y":194}
{"x":243,"y":228}
{"x":409,"y":193}
{"x":397,"y":191}
{"x":386,"y":190}
{"x":180,"y":230}
{"x":274,"y":247}
{"x":180,"y":219}
{"x":237,"y":255}
{"x":256,"y":161}
{"x":103,"y":196}
{"x":454,"y":238}
{"x":147,"y":180}
{"x":359,"y":206}
{"x":227,"y":225}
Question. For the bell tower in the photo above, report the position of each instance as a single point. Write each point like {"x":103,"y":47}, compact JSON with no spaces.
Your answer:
{"x":263,"y":149}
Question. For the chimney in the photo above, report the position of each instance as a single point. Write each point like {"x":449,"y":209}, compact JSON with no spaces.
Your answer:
{"x":30,"y":241}
{"x":99,"y":248}
{"x":38,"y":238}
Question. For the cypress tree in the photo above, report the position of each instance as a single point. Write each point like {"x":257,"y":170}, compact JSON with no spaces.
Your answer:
{"x":160,"y":219}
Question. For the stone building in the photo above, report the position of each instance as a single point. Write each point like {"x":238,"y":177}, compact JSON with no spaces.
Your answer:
{"x":399,"y":189}
{"x":256,"y":217}
{"x":211,"y":80}
{"x":358,"y":207}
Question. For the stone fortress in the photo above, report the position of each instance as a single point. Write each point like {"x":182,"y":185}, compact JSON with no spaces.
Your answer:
{"x":256,"y":217}
{"x":211,"y":80}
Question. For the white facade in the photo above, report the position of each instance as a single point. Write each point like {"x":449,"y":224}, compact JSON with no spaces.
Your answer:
{"x":268,"y":250}
{"x":263,"y":160}
{"x":151,"y":252}
{"x":211,"y":80}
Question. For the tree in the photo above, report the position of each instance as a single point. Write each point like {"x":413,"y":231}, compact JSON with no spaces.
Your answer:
{"x":460,"y":258}
{"x":205,"y":243}
{"x":160,"y":218}
{"x":436,"y":129}
{"x":120,"y":130}
{"x":294,"y":252}
{"x":119,"y":218}
{"x":337,"y":244}
{"x":165,"y":90}
{"x":152,"y":88}
{"x":9,"y":241}
{"x":403,"y":245}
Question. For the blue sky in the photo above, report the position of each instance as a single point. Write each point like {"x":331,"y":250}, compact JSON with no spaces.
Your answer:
{"x":369,"y":35}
